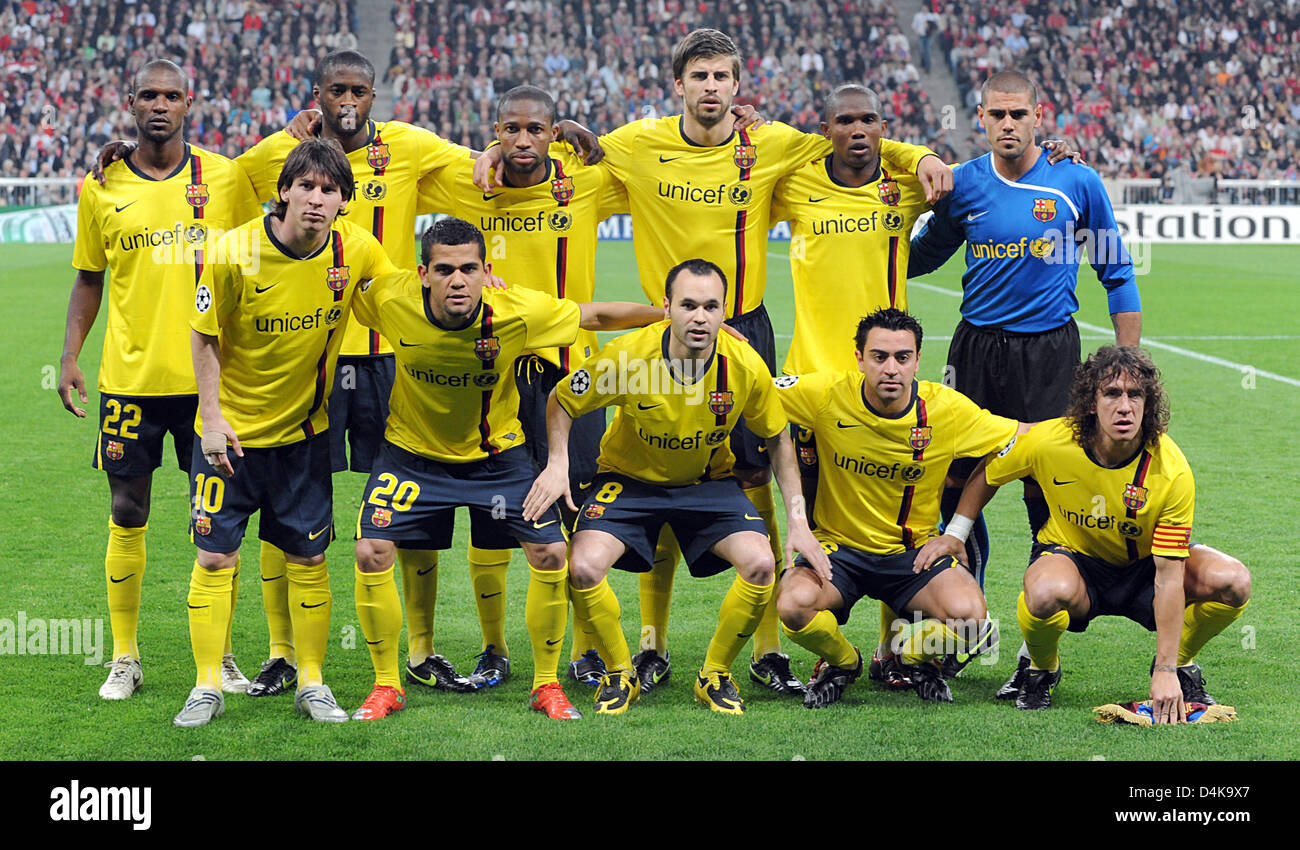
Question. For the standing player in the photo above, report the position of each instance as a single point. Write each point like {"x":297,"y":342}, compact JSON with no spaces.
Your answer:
{"x":1118,"y":538}
{"x":151,"y":223}
{"x":1017,"y":346}
{"x":680,"y":390}
{"x":888,"y":440}
{"x":454,"y":438}
{"x":266,"y":335}
{"x":699,"y":186}
{"x":540,"y":228}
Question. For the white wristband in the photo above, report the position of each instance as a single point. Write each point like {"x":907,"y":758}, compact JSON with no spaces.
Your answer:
{"x":959,"y":526}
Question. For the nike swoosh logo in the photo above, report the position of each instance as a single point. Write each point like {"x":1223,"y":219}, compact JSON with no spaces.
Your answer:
{"x":553,"y":642}
{"x":543,"y":524}
{"x":584,"y":485}
{"x":813,"y":200}
{"x":425,"y":572}
{"x":488,"y":197}
{"x":974,"y":216}
{"x":840,"y":424}
{"x":739,"y":635}
{"x":488,"y":595}
{"x":747,"y":516}
{"x":305,"y":605}
{"x":669,"y":159}
{"x":196,"y":607}
{"x":1060,"y":483}
{"x":406,"y":344}
{"x":260,"y":289}
{"x":124,"y":206}
{"x":123,"y":578}
{"x":640,"y":406}
{"x":374,"y":642}
{"x":318,"y":534}
{"x":272,"y":578}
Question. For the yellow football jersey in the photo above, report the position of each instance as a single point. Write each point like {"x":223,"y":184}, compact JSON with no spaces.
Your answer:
{"x":688,"y":200}
{"x":154,"y":237}
{"x":455,"y":398}
{"x":1117,"y":515}
{"x":880,"y":477}
{"x":387,"y":171}
{"x":542,"y":237}
{"x":278,"y":320}
{"x":666,"y":431}
{"x":848,"y":255}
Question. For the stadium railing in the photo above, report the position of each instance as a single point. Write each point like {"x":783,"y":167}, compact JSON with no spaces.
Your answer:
{"x":1258,"y":192}
{"x":37,"y":191}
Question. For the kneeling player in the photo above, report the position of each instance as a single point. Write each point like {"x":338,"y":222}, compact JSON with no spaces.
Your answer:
{"x":886,"y":441}
{"x":1119,"y":537}
{"x":680,"y":390}
{"x":454,"y":438}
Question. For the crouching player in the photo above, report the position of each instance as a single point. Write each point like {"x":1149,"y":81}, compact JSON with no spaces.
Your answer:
{"x":885,"y":441}
{"x":453,"y":438}
{"x":680,"y":390}
{"x":1119,"y":538}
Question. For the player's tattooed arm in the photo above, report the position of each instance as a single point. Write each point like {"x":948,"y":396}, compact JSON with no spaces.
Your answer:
{"x":216,"y":431}
{"x":1168,"y":604}
{"x":1128,"y":327}
{"x":83,"y":307}
{"x":799,"y":537}
{"x":553,"y":481}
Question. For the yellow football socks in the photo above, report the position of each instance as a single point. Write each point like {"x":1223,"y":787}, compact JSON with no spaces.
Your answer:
{"x":234,"y":598}
{"x":657,"y":593}
{"x":599,"y":606}
{"x":420,"y":588}
{"x":380,"y":613}
{"x":741,"y":610}
{"x":822,"y":637}
{"x":767,"y":635}
{"x":928,"y":640}
{"x":1202,"y":621}
{"x":310,"y":604}
{"x":1041,"y":635}
{"x":546,"y":612}
{"x":275,"y":601}
{"x":584,"y":637}
{"x":487,"y":573}
{"x":209,"y":611}
{"x":890,"y":626}
{"x":123,"y":573}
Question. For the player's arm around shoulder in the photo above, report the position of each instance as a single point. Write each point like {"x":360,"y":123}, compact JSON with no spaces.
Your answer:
{"x":617,"y":315}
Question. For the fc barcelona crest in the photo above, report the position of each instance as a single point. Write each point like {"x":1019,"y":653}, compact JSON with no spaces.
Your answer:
{"x":1134,"y":497}
{"x":594,"y":511}
{"x":1044,"y":209}
{"x":919,"y":438}
{"x":114,"y":450}
{"x":562,"y":189}
{"x":746,"y":156}
{"x":196,"y":194}
{"x":720,"y":402}
{"x":203,"y":525}
{"x":337,"y":277}
{"x":377,"y":156}
{"x":487,"y":348}
{"x":807,"y":455}
{"x":889,"y":193}
{"x":381,"y":518}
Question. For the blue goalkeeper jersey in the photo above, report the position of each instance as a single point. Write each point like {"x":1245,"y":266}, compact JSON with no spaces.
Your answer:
{"x":1024,"y":242}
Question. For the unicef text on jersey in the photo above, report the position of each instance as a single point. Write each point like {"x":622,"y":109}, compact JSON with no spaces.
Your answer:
{"x":189,"y":243}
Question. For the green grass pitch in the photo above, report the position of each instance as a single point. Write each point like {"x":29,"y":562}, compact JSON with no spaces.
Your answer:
{"x":1238,"y":428}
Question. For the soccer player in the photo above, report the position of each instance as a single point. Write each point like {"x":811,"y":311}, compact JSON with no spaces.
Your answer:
{"x":454,"y":438}
{"x":151,"y":224}
{"x":1117,"y":540}
{"x":699,"y":186}
{"x":266,"y":330}
{"x":887,"y":440}
{"x":541,"y":230}
{"x":680,"y":390}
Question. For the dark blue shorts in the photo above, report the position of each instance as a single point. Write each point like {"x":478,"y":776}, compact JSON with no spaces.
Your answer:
{"x":889,"y":578}
{"x":1127,"y":591}
{"x":749,"y":448}
{"x":358,"y":409}
{"x":132,"y":428}
{"x":805,"y":451}
{"x":412,"y":500}
{"x":535,"y":378}
{"x":289,"y":485}
{"x":700,"y":515}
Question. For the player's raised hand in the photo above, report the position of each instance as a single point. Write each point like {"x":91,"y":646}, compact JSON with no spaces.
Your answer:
{"x":584,"y":142}
{"x":71,"y":378}
{"x":552,"y":483}
{"x":935,"y":177}
{"x":484,"y":165}
{"x":747,"y":117}
{"x":936,"y":548}
{"x":1166,"y":697}
{"x":216,"y":435}
{"x":304,"y":124}
{"x":1059,"y":149}
{"x":109,"y":154}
